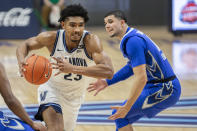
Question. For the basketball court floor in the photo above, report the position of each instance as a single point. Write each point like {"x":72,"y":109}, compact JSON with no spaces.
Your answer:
{"x":94,"y":112}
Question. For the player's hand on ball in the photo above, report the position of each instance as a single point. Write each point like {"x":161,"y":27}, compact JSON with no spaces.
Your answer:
{"x":63,"y":65}
{"x":21,"y":67}
{"x":23,"y":63}
{"x":38,"y":70}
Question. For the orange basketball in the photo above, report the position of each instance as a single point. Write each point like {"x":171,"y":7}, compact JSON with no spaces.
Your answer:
{"x":38,"y":70}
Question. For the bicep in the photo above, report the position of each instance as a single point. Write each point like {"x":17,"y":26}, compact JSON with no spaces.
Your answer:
{"x":41,"y":40}
{"x":33,"y":43}
{"x":95,"y":48}
{"x":135,"y":49}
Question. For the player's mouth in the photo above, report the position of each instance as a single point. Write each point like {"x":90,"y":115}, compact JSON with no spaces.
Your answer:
{"x":76,"y":37}
{"x":110,"y":30}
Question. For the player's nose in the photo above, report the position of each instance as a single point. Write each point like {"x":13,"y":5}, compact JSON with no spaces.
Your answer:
{"x":77,"y":29}
{"x":107,"y":26}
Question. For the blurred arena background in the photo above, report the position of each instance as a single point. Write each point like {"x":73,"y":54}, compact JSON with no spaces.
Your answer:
{"x":172,"y":24}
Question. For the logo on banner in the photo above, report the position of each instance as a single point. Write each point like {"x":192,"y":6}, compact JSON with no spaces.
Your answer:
{"x":189,"y":12}
{"x":15,"y":17}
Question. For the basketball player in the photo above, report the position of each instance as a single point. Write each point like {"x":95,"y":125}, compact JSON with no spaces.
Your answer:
{"x":154,"y":84}
{"x":60,"y":98}
{"x":13,"y":124}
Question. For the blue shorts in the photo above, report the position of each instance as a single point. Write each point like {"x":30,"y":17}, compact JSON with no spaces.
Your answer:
{"x":153,"y":99}
{"x":43,"y":107}
{"x":13,"y":124}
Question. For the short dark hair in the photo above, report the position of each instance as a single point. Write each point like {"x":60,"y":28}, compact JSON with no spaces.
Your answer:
{"x":118,"y":14}
{"x":74,"y":10}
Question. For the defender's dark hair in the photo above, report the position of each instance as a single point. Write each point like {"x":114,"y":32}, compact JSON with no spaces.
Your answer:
{"x":74,"y":10}
{"x":118,"y":14}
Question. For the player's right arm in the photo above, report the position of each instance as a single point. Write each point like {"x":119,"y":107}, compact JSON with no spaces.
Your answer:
{"x":44,"y":39}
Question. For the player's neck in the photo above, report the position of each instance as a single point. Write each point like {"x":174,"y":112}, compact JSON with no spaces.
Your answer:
{"x":71,"y":44}
{"x":123,"y":32}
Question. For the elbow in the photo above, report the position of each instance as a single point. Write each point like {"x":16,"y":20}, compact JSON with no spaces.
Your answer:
{"x":110,"y":73}
{"x":143,"y":79}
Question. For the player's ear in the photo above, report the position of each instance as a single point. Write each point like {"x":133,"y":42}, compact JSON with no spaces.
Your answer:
{"x":62,"y":24}
{"x":122,"y":22}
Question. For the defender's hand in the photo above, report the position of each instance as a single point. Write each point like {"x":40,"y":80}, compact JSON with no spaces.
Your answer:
{"x":97,"y":86}
{"x":120,"y":113}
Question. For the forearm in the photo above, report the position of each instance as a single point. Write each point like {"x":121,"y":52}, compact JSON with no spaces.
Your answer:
{"x":97,"y":71}
{"x":16,"y":107}
{"x":21,"y":52}
{"x":137,"y":87}
{"x":120,"y":75}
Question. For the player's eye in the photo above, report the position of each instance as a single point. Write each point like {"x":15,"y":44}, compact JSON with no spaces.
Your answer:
{"x":81,"y":24}
{"x":110,"y":21}
{"x":72,"y":24}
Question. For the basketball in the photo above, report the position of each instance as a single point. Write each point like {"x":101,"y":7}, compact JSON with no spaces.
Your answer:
{"x":38,"y":69}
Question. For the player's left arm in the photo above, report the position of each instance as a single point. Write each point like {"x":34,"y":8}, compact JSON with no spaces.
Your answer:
{"x":138,"y":82}
{"x":136,"y":53}
{"x":103,"y":67}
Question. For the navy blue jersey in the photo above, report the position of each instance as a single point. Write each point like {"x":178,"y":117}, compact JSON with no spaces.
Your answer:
{"x":13,"y":124}
{"x":140,"y":49}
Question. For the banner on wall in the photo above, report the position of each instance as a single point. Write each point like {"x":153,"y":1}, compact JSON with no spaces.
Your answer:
{"x":183,"y":16}
{"x":185,"y":59}
{"x":17,"y":20}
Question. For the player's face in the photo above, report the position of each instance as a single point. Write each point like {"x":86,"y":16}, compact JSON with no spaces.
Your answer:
{"x":74,"y":27}
{"x":112,"y":26}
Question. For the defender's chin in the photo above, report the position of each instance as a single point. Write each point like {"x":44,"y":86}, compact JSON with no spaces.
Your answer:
{"x":112,"y":35}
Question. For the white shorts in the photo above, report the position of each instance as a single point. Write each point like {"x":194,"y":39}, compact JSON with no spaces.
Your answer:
{"x":69,"y":103}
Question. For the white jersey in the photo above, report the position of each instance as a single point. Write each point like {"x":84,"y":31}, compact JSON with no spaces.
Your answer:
{"x":66,"y":89}
{"x":69,"y":82}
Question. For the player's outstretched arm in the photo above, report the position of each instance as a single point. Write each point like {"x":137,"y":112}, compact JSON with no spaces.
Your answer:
{"x":103,"y":67}
{"x":13,"y":103}
{"x":120,"y":75}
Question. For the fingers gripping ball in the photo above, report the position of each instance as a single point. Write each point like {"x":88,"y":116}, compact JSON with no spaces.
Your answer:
{"x":38,"y":70}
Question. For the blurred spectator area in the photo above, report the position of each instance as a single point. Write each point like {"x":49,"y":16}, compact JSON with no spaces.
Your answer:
{"x":139,"y":12}
{"x":98,"y":8}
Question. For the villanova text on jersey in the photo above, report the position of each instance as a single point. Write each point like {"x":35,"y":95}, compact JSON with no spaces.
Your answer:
{"x":78,"y":61}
